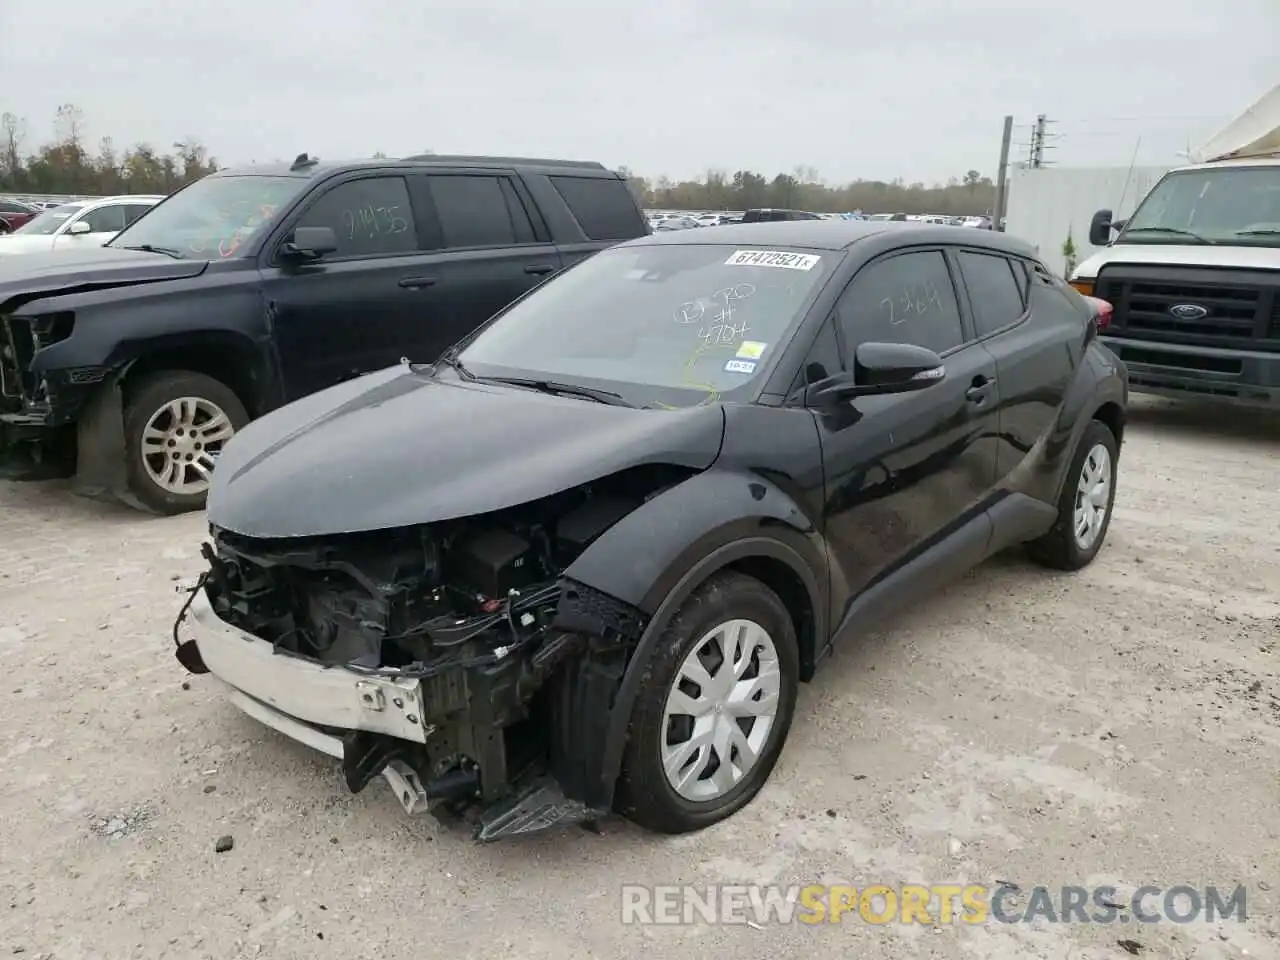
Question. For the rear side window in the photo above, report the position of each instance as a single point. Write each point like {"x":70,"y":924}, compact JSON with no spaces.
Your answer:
{"x":479,"y":211}
{"x":603,"y":206}
{"x":994,"y":292}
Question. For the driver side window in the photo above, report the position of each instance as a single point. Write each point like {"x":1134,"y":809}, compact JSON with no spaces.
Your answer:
{"x":109,"y":219}
{"x":369,"y":218}
{"x":904,"y":298}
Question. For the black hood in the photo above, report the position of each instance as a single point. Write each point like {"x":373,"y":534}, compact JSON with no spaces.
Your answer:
{"x":58,"y":271}
{"x":398,"y":448}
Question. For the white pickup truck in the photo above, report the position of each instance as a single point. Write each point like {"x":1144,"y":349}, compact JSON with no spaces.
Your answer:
{"x":1194,"y":274}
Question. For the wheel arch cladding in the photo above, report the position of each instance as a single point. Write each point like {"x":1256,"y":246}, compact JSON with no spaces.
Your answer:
{"x":1111,"y":415}
{"x":230,"y":358}
{"x":658,"y":555}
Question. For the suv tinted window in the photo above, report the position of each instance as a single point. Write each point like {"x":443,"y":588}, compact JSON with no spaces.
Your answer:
{"x":108,"y":219}
{"x":603,"y":206}
{"x":993,"y":291}
{"x":475,"y":211}
{"x":906,"y":298}
{"x":369,"y":217}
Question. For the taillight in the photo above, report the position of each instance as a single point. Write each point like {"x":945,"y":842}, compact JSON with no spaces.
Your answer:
{"x":1102,"y":311}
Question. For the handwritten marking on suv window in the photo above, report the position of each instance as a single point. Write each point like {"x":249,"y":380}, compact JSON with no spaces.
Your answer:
{"x":773,"y":258}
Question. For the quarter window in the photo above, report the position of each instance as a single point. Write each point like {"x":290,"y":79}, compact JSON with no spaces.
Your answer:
{"x":994,"y":292}
{"x":369,"y":218}
{"x":603,"y":206}
{"x":908,"y":298}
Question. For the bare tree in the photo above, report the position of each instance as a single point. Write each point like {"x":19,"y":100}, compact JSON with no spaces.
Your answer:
{"x":13,"y":131}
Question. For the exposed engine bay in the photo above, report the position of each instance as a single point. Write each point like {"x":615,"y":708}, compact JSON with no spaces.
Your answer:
{"x":514,"y":660}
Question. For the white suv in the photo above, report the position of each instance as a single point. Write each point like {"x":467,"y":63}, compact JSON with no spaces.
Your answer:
{"x":81,"y":223}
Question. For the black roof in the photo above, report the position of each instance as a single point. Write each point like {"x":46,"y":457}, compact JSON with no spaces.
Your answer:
{"x":324,"y":167}
{"x":836,"y":235}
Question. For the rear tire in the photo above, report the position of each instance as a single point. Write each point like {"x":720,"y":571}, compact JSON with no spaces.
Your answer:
{"x":1084,"y":508}
{"x":674,"y":779}
{"x":175,"y":425}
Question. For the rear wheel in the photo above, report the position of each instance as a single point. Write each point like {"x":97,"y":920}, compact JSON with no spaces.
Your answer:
{"x":1084,"y":509}
{"x":175,"y":425}
{"x":714,"y":708}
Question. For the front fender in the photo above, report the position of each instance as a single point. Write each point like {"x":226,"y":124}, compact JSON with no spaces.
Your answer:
{"x":658,"y":555}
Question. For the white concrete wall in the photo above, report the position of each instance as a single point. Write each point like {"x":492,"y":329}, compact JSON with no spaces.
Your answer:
{"x":1046,"y":204}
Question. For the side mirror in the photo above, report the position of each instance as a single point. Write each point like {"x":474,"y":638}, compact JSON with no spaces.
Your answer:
{"x":1100,"y":228}
{"x":310,"y":243}
{"x":79,"y":228}
{"x":880,"y":368}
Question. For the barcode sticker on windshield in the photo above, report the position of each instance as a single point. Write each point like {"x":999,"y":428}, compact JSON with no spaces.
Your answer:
{"x":773,"y":258}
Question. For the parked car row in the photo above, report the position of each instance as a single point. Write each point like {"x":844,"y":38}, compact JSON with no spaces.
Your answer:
{"x":76,"y":224}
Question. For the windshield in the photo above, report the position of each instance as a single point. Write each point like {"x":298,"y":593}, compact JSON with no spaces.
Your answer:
{"x":1230,"y":205}
{"x":661,"y":324}
{"x":212,"y":218}
{"x":45,"y":224}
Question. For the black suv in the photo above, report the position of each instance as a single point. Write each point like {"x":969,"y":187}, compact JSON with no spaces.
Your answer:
{"x":774,"y":214}
{"x":134,"y":363}
{"x":633,"y":512}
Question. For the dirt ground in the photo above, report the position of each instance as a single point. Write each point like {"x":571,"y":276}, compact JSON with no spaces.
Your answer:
{"x":1120,"y":726}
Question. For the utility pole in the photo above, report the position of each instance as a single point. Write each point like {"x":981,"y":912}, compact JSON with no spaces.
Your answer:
{"x":1037,"y":142}
{"x":997,"y":215}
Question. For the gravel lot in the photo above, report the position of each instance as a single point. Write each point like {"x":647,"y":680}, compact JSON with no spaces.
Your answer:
{"x":1120,"y":726}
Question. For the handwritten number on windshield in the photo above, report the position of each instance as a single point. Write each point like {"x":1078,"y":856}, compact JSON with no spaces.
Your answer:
{"x":720,"y":302}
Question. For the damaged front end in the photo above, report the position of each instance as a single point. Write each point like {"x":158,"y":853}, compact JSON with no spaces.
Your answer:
{"x":456,"y":659}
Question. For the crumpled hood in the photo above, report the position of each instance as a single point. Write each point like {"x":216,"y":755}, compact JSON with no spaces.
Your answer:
{"x":56,"y":271}
{"x":398,"y":448}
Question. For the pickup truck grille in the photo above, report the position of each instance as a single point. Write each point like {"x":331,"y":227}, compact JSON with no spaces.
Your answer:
{"x":1243,"y":306}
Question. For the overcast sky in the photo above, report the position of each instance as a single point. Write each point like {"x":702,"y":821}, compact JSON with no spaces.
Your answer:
{"x":910,"y":88}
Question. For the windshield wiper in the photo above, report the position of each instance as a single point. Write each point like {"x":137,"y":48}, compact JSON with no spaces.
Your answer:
{"x":152,"y":248}
{"x":450,"y":359}
{"x":565,"y":389}
{"x":1175,"y":230}
{"x":1260,"y":232}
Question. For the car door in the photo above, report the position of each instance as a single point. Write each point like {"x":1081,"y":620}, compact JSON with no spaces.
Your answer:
{"x":485,"y":251}
{"x":1036,"y":335}
{"x":904,"y":471}
{"x":104,"y":222}
{"x":360,"y":307}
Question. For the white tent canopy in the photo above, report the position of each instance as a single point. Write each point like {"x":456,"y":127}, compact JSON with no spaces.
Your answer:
{"x":1255,"y":133}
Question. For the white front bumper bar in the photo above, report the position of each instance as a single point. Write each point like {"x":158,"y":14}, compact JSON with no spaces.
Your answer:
{"x":298,"y":698}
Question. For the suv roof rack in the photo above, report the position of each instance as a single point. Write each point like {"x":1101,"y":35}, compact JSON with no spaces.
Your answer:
{"x":525,"y":161}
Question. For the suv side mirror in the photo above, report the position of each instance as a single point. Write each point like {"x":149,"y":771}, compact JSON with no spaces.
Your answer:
{"x":880,"y":368}
{"x":79,"y":228}
{"x":1100,"y":228}
{"x":310,"y":243}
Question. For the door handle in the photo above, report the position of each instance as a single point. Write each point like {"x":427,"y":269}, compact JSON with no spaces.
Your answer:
{"x":980,"y":390}
{"x":417,"y":283}
{"x":538,"y":269}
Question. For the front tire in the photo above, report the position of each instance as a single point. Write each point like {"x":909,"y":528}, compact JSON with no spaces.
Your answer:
{"x":175,"y":425}
{"x":1084,"y":508}
{"x":713,"y":710}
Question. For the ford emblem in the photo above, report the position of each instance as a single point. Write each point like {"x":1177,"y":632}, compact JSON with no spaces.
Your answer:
{"x":1188,"y":311}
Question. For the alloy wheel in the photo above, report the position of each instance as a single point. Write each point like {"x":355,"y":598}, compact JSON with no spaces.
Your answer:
{"x":181,"y":443}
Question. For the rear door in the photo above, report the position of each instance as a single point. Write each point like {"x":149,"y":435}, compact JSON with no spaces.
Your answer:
{"x":485,"y":249}
{"x":1037,"y":337}
{"x":361,"y":307}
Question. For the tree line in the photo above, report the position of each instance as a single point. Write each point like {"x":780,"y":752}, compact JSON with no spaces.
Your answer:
{"x":69,"y":165}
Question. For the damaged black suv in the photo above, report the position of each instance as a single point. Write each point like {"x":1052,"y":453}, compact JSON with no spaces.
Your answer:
{"x":583,"y":561}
